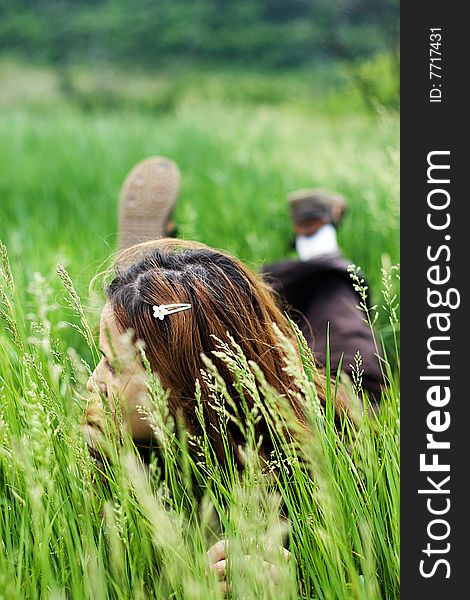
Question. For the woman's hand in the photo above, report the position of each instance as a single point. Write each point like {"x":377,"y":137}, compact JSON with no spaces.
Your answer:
{"x":217,"y":557}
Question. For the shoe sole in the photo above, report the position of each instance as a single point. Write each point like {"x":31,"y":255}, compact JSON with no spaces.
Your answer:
{"x":147,"y":199}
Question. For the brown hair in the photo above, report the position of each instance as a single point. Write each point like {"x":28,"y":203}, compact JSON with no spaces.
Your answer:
{"x":226,"y":297}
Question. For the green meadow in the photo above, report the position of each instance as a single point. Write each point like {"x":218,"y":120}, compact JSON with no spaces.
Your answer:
{"x":72,"y":528}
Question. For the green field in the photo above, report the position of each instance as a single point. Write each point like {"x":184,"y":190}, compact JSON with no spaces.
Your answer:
{"x":61,"y":169}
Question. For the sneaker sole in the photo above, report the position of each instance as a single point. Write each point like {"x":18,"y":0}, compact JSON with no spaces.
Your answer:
{"x":147,"y":199}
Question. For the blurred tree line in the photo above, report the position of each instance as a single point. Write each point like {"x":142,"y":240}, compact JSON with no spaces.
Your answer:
{"x":247,"y":33}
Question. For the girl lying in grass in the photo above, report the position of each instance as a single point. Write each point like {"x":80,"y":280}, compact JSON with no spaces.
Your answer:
{"x":178,"y":300}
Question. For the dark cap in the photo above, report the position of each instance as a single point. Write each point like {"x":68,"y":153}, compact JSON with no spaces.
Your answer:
{"x":316,"y":204}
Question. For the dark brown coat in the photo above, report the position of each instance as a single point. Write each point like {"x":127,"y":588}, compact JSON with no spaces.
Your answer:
{"x":320,"y":292}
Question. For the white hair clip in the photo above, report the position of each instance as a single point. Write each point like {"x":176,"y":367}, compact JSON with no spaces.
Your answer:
{"x":160,"y":312}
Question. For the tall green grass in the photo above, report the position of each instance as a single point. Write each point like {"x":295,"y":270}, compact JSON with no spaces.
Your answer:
{"x":72,"y":527}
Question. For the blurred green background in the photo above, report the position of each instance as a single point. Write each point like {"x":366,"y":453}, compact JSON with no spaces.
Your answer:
{"x":327,"y":43}
{"x":252,"y":98}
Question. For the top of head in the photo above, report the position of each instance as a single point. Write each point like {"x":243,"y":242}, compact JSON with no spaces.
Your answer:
{"x":225,"y":297}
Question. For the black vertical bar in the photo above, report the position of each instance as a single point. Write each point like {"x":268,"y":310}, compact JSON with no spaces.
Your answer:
{"x":433,"y":119}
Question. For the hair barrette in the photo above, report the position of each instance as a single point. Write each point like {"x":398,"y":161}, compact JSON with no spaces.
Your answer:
{"x":160,"y":312}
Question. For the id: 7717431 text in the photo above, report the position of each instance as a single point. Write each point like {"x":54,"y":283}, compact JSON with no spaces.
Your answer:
{"x":435,"y":64}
